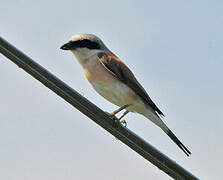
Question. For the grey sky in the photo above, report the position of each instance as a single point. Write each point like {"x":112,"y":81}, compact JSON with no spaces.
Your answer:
{"x":173,"y":47}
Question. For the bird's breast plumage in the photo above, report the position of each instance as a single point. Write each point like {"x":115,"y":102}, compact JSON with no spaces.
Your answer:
{"x":108,"y":86}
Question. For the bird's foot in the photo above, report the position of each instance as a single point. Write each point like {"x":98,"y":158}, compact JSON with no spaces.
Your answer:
{"x":117,"y":120}
{"x":122,"y":121}
{"x":112,"y":116}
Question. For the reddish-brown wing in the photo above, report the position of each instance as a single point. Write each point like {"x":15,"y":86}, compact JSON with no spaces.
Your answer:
{"x":124,"y":74}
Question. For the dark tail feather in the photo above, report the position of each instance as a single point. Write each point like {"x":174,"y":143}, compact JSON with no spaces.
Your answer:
{"x":179,"y":144}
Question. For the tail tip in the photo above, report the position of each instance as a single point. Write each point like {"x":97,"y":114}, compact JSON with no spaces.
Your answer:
{"x":179,"y":143}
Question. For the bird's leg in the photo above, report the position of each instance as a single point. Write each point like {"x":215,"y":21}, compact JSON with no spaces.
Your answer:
{"x":122,"y":120}
{"x":112,"y":115}
{"x":126,"y":112}
{"x":119,"y":109}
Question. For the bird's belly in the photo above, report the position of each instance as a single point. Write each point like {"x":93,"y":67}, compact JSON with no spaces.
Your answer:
{"x":119,"y":94}
{"x":115,"y":93}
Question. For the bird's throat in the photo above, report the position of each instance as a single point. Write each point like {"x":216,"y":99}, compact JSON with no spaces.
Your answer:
{"x":83,"y":54}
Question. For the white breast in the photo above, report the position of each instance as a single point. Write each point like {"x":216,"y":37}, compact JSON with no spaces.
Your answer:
{"x":116,"y":93}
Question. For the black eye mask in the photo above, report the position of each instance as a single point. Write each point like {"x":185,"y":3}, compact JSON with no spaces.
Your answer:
{"x":85,"y":43}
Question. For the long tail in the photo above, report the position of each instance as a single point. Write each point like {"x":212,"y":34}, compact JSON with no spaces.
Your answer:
{"x":178,"y":142}
{"x":155,"y":119}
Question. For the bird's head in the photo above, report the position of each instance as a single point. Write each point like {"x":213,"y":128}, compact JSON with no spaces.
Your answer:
{"x":84,"y":45}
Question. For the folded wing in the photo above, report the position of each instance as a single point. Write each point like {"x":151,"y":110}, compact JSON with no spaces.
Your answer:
{"x":124,"y":74}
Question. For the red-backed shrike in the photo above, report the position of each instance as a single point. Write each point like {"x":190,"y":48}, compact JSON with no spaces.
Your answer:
{"x":113,"y":80}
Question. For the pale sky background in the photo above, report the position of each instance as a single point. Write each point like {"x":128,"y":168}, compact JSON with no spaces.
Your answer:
{"x":175,"y":50}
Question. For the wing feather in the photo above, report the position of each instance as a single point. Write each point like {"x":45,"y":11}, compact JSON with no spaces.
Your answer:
{"x":124,"y":74}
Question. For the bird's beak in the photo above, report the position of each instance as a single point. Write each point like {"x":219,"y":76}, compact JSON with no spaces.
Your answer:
{"x":66,"y":46}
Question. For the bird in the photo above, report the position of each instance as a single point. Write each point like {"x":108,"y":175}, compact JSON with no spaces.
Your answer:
{"x":114,"y":81}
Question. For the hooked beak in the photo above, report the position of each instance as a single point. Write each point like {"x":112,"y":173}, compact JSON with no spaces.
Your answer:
{"x":66,"y":46}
